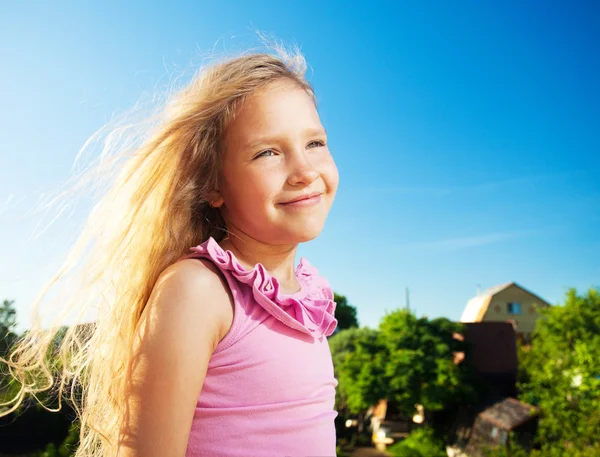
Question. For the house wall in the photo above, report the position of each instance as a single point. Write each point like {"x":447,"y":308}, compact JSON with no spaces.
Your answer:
{"x":498,"y":310}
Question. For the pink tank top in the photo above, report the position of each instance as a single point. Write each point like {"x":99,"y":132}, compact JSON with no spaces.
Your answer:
{"x":269,"y":390}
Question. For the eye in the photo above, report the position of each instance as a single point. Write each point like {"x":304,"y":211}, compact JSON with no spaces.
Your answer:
{"x":316,"y":144}
{"x":267,"y":153}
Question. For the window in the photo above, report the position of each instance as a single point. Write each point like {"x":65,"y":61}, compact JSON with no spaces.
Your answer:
{"x":494,"y":433}
{"x":502,"y":435}
{"x":513,"y":308}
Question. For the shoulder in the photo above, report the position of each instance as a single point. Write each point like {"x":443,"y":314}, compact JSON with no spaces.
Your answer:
{"x":193,"y":296}
{"x":195,"y":277}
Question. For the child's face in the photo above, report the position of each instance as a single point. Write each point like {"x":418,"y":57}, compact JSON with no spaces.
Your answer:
{"x":275,"y":153}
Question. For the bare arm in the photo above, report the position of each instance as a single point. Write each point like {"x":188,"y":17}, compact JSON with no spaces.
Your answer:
{"x":188,"y":313}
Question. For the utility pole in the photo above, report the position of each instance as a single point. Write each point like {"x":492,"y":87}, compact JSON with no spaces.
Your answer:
{"x":407,"y":300}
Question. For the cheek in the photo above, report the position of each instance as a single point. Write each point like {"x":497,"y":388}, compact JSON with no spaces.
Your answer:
{"x":260,"y":191}
{"x":243,"y":189}
{"x":330,"y":174}
{"x":263,"y":184}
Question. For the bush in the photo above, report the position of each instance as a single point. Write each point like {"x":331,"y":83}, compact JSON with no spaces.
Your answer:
{"x":364,"y":439}
{"x":503,"y":451}
{"x":420,"y":443}
{"x":547,"y":451}
{"x":66,"y":449}
{"x":339,"y":452}
{"x":568,"y":451}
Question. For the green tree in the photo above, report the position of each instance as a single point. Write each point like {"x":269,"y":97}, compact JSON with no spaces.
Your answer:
{"x":8,"y":315}
{"x":358,"y":362}
{"x":344,"y":313}
{"x":66,"y":449}
{"x":407,"y":360}
{"x":560,"y":373}
{"x":420,"y":368}
{"x":420,"y":443}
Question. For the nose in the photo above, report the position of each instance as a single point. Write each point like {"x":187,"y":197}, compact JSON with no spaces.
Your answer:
{"x":302,"y":171}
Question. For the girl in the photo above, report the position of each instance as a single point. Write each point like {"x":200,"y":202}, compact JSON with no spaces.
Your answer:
{"x":208,"y":342}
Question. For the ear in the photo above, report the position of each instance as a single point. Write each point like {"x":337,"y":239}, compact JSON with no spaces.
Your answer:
{"x":215,"y":200}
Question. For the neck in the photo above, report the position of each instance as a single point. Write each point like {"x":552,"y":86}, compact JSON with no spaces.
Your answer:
{"x":278,"y":260}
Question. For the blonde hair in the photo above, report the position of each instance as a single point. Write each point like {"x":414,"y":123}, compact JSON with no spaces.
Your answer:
{"x":155,"y":210}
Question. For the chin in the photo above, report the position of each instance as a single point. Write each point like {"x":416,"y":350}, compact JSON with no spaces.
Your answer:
{"x":304,"y":234}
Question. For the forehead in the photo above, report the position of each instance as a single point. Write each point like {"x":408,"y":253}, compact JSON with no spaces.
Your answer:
{"x":277,"y":109}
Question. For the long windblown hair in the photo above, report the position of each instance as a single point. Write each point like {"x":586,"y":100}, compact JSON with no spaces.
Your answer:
{"x":154,"y":210}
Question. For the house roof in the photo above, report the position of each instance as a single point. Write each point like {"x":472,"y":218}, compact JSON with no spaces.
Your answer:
{"x":509,"y":413}
{"x":478,"y":305}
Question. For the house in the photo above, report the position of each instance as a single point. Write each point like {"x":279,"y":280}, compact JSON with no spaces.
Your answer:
{"x":507,"y":420}
{"x":506,"y":303}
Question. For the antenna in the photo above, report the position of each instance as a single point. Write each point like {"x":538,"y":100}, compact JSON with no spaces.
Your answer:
{"x":407,"y":300}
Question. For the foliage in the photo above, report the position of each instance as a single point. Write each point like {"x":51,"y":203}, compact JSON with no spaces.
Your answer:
{"x":8,"y":320}
{"x":339,"y":452}
{"x":547,"y":451}
{"x":344,"y":313}
{"x":8,"y":314}
{"x":557,"y":451}
{"x":9,"y":388}
{"x":420,"y":366}
{"x":358,"y":362}
{"x":409,"y":360}
{"x":560,"y":374}
{"x":504,"y":451}
{"x":420,"y":443}
{"x":66,"y":449}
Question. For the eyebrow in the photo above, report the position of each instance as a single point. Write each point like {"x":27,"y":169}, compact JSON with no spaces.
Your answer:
{"x":312,"y":131}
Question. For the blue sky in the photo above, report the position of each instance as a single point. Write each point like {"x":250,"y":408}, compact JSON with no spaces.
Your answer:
{"x":466,"y":134}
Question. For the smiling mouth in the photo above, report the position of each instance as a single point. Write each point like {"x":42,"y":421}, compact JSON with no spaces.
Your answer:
{"x":305,"y":200}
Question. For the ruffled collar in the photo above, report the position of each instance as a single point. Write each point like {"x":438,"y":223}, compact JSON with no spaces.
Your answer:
{"x":310,"y":310}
